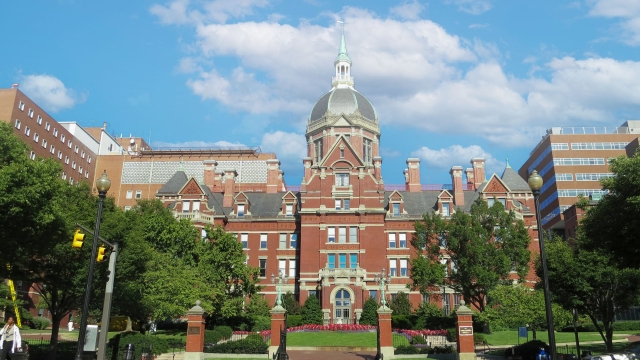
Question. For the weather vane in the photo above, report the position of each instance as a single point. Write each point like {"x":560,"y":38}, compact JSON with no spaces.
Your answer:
{"x":342,"y":23}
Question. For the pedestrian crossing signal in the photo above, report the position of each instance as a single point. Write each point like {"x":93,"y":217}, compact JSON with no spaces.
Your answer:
{"x":78,"y":240}
{"x":101,"y":255}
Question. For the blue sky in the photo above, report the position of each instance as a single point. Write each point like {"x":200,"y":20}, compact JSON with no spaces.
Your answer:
{"x":450,"y":79}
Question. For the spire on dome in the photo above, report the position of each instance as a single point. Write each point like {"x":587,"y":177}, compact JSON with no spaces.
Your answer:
{"x":342,"y":63}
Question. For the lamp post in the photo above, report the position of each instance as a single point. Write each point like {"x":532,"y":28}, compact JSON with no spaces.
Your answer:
{"x":282,"y":279}
{"x":535,"y":183}
{"x":102,"y":185}
{"x":383,"y":279}
{"x":319,"y":293}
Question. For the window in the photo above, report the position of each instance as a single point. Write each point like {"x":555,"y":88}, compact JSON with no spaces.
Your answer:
{"x":366,"y":151}
{"x":445,"y":209}
{"x":342,"y":179}
{"x":283,"y":241}
{"x":312,"y":293}
{"x":402,"y":240}
{"x":318,"y":150}
{"x":139,"y":195}
{"x":426,"y":298}
{"x":76,"y":149}
{"x":240,"y":210}
{"x":560,"y":146}
{"x":44,"y":143}
{"x":342,"y":234}
{"x":338,"y":204}
{"x":69,"y":144}
{"x":263,"y":267}
{"x":263,"y":241}
{"x":578,"y":161}
{"x":32,"y":155}
{"x":353,"y":234}
{"x":491,"y":202}
{"x":55,"y":133}
{"x":244,"y":239}
{"x":342,"y":153}
{"x":373,"y":294}
{"x":396,"y":209}
{"x":64,"y":176}
{"x":599,"y":146}
{"x":454,"y":268}
{"x":86,"y":174}
{"x":442,"y":240}
{"x":353,"y":261}
{"x":73,"y":165}
{"x":456,"y":299}
{"x":282,"y":267}
{"x":347,"y":204}
{"x":343,"y":261}
{"x":27,"y":131}
{"x":348,"y":137}
{"x":21,"y":106}
{"x":292,"y":268}
{"x":288,"y":210}
{"x":47,"y":127}
{"x":186,"y":206}
{"x":80,"y":169}
{"x":18,"y":124}
{"x":127,"y":208}
{"x":576,"y":192}
{"x":496,"y":234}
{"x":89,"y":160}
{"x":130,"y":196}
{"x":392,"y":241}
{"x":66,"y":160}
{"x":445,"y":304}
{"x":110,"y":147}
{"x":36,"y":137}
{"x":403,"y":267}
{"x":331,"y":234}
{"x":593,"y":177}
{"x":59,"y":154}
{"x":83,"y":154}
{"x":62,"y":138}
{"x":31,"y":114}
{"x":393,"y":270}
{"x":52,"y":149}
{"x":294,"y":241}
{"x":196,"y":204}
{"x":331,"y":261}
{"x":564,"y":177}
{"x":71,"y":181}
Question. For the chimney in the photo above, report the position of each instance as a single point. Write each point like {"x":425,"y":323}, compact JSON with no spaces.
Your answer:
{"x":377,"y":168}
{"x":478,"y":171}
{"x":469,"y":174}
{"x":229,"y":186}
{"x":413,"y":175}
{"x":456,"y":180}
{"x":306,"y":162}
{"x":210,"y":173}
{"x":273,"y":172}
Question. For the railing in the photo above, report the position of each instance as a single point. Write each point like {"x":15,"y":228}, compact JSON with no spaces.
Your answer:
{"x":194,"y":217}
{"x":426,"y":187}
{"x":281,"y":354}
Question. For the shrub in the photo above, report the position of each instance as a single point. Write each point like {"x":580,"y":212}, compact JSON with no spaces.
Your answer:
{"x":442,"y":350}
{"x":142,"y":344}
{"x":290,"y":303}
{"x":294,"y":320}
{"x":401,"y":304}
{"x":369,"y":314}
{"x":418,"y":339}
{"x":254,"y":337}
{"x":400,"y":322}
{"x":212,"y":337}
{"x":528,"y":350}
{"x":225,"y":331}
{"x":239,"y":347}
{"x":40,"y":323}
{"x":261,"y":323}
{"x":311,"y":311}
{"x":406,"y":350}
{"x":172,"y":324}
{"x":478,"y":338}
{"x":617,"y":326}
{"x":452,"y":335}
{"x":258,"y":306}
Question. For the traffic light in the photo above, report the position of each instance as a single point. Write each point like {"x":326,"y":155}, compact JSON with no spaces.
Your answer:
{"x":101,"y":251}
{"x":78,"y":240}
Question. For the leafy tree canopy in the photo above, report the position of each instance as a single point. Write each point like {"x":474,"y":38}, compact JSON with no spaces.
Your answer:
{"x":311,"y":311}
{"x":291,"y":304}
{"x":400,"y":304}
{"x":369,"y":314}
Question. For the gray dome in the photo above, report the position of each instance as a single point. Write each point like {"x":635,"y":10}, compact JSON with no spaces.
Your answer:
{"x":343,"y":101}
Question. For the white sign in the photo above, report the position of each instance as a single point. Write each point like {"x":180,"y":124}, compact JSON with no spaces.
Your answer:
{"x":91,"y":338}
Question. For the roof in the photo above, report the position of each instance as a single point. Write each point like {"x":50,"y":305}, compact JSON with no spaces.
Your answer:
{"x":174,"y":184}
{"x":343,"y":101}
{"x":342,"y":53}
{"x":513,"y":180}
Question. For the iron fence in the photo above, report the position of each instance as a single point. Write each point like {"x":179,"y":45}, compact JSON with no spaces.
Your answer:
{"x":38,"y":349}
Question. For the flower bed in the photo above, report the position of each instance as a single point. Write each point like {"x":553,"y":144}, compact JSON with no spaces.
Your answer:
{"x":412,"y":333}
{"x":350,"y":327}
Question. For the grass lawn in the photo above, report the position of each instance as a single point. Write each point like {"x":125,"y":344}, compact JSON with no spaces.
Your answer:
{"x":511,"y":337}
{"x":332,"y":338}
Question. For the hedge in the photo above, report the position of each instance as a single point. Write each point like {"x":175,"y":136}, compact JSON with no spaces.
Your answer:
{"x":617,"y":326}
{"x":225,"y":331}
{"x":142,"y":343}
{"x":40,"y":323}
{"x":410,"y":349}
{"x":239,"y":347}
{"x":294,"y":320}
{"x":212,"y":337}
{"x":261,"y":323}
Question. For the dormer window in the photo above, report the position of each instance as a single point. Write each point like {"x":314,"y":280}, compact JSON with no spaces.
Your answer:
{"x":288,"y":210}
{"x":445,"y":209}
{"x":342,"y":179}
{"x":396,"y":209}
{"x":240,"y":210}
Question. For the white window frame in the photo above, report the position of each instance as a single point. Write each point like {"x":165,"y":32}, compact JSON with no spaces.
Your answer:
{"x":241,"y":211}
{"x":393,"y":267}
{"x":55,"y":132}
{"x":393,"y":244}
{"x":129,"y":194}
{"x":331,"y":234}
{"x":282,"y":243}
{"x":138,"y":194}
{"x":47,"y":126}
{"x":18,"y":124}
{"x":30,"y":113}
{"x":353,"y":234}
{"x":288,"y":209}
{"x":293,"y":241}
{"x":244,"y":240}
{"x":21,"y":106}
{"x":27,"y":131}
{"x":263,"y":242}
{"x":446,"y":209}
{"x":186,"y":206}
{"x":292,"y":268}
{"x":36,"y":137}
{"x":282,"y":266}
{"x":32,"y":155}
{"x":342,"y":234}
{"x":342,"y":179}
{"x":195,"y":206}
{"x":402,"y":240}
{"x":338,"y":203}
{"x":404,"y":268}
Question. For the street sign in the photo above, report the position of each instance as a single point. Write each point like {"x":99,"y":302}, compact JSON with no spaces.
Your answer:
{"x":522,"y":331}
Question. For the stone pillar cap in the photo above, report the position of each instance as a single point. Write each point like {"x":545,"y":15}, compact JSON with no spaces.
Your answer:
{"x":278,"y":310}
{"x":384,"y":310}
{"x":196,"y":310}
{"x":463,"y":310}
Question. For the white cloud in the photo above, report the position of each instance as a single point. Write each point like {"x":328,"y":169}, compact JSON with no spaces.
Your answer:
{"x":474,"y":7}
{"x":288,"y":147}
{"x":478,"y":26}
{"x":219,"y":11}
{"x":629,"y":13}
{"x":457,"y":155}
{"x":50,"y":92}
{"x":408,"y":10}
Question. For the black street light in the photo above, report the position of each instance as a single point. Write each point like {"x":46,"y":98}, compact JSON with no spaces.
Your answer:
{"x":102,"y":185}
{"x":535,"y":183}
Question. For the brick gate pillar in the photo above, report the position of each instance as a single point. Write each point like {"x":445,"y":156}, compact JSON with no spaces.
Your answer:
{"x":466,"y":347}
{"x":277,"y":323}
{"x":386,"y":337}
{"x":195,"y":333}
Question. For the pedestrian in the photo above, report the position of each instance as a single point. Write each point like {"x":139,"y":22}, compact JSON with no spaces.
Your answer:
{"x":10,"y":340}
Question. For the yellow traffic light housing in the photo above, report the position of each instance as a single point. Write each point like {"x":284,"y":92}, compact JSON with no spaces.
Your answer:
{"x":101,"y":255}
{"x":78,"y":240}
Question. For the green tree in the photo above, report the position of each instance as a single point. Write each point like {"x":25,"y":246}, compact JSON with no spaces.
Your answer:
{"x":483,"y":247}
{"x":592,"y":282}
{"x":612,"y":225}
{"x":258,"y":306}
{"x":369,"y":314}
{"x":311,"y":311}
{"x":401,"y":304}
{"x":291,"y":304}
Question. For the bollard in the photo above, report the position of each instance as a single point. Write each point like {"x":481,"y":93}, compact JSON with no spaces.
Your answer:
{"x":129,"y":352}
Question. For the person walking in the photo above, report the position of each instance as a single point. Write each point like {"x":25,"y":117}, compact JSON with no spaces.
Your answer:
{"x":10,"y":340}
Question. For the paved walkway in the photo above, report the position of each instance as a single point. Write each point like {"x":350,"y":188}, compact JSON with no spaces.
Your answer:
{"x":329,"y":355}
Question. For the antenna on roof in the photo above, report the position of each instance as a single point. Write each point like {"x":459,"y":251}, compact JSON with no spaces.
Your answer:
{"x":342,"y":22}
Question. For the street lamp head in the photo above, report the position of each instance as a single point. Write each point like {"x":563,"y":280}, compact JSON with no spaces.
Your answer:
{"x":273,"y":278}
{"x":384,"y":272}
{"x":103,"y":183}
{"x":535,"y":181}
{"x":319,"y":287}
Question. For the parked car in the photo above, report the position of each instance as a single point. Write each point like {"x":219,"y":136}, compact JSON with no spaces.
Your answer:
{"x":630,"y":352}
{"x":633,"y":348}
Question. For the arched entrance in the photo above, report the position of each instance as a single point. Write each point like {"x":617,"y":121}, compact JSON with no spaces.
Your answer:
{"x":342,"y":307}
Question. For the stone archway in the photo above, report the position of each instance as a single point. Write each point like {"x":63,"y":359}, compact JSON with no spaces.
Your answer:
{"x":342,"y":301}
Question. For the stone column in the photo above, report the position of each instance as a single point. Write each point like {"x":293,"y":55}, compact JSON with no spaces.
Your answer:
{"x":466,"y":347}
{"x":277,"y":323}
{"x":195,"y":333}
{"x":386,"y":337}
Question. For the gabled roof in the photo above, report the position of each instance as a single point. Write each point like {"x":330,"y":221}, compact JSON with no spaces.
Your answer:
{"x":174,"y":185}
{"x":341,"y":140}
{"x":514,"y":181}
{"x":191,"y":188}
{"x":495,"y":185}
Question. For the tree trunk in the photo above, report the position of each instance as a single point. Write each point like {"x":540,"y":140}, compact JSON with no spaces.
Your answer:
{"x":535,"y":337}
{"x":53,"y":343}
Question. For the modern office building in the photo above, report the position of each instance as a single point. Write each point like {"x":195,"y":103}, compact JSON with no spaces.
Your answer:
{"x":572,"y":161}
